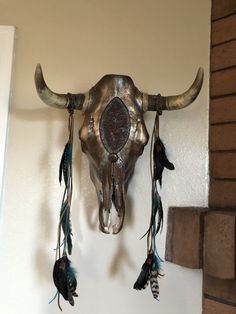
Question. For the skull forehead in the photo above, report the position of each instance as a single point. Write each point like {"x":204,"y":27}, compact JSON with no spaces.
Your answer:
{"x":116,"y":82}
{"x":109,"y":87}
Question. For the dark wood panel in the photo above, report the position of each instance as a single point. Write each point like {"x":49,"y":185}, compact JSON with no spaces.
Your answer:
{"x":222,"y":137}
{"x":223,"y":165}
{"x":220,"y":288}
{"x":223,"y":82}
{"x":223,"y":30}
{"x":223,"y":109}
{"x":222,"y":8}
{"x":222,"y":194}
{"x":223,"y":56}
{"x":211,"y":306}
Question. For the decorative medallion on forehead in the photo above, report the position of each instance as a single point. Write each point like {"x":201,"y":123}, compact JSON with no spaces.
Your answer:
{"x":115,"y":126}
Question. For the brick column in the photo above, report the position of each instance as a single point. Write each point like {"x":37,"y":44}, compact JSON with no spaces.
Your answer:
{"x":212,"y":245}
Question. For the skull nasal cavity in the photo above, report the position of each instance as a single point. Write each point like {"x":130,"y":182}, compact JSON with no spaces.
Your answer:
{"x":115,"y":125}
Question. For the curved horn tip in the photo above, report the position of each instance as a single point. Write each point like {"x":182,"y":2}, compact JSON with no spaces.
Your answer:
{"x":38,"y":70}
{"x":185,"y":99}
{"x":46,"y":94}
{"x":200,"y":74}
{"x":38,"y":78}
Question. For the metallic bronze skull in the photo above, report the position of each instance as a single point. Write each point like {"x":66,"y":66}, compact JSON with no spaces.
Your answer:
{"x":113,"y":134}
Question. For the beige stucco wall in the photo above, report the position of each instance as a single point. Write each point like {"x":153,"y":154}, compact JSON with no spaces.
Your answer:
{"x":160,"y":44}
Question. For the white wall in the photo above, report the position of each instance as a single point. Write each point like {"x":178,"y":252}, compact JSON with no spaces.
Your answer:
{"x":6,"y":57}
{"x":160,"y":44}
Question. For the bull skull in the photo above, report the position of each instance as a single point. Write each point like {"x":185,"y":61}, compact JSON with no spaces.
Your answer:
{"x":113,"y":134}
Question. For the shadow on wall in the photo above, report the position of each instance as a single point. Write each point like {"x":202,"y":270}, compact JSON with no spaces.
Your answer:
{"x":86,"y":193}
{"x":122,"y":256}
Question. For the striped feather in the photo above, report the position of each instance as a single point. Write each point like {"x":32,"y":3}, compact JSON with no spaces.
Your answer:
{"x":154,"y":283}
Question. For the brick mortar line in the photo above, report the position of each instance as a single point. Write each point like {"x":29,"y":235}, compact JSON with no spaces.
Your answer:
{"x":223,"y":123}
{"x":219,"y":300}
{"x":224,"y":179}
{"x":223,"y":151}
{"x":223,"y":42}
{"x":222,"y":96}
{"x":222,"y":17}
{"x":223,"y":69}
{"x":222,"y":209}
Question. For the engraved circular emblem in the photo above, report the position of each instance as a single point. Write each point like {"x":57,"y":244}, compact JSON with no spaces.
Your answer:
{"x":115,"y":126}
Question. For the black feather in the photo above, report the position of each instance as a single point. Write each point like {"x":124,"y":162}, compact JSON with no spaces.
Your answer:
{"x":143,"y":278}
{"x":160,"y":160}
{"x":64,"y":279}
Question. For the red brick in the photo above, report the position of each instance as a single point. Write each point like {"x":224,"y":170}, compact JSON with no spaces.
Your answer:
{"x":223,"y":56}
{"x":222,"y":137}
{"x":223,"y":30}
{"x":221,"y":8}
{"x":222,"y":194}
{"x":219,"y":244}
{"x":223,"y":109}
{"x":223,"y":82}
{"x":222,"y":165}
{"x":224,"y":289}
{"x":214,"y":307}
{"x":184,"y":236}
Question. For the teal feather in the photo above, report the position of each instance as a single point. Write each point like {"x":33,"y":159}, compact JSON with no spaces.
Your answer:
{"x":66,"y":164}
{"x":64,"y":277}
{"x":66,"y":225}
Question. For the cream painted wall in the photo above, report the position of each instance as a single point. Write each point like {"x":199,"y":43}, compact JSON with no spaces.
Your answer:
{"x":160,"y":44}
{"x":6,"y":59}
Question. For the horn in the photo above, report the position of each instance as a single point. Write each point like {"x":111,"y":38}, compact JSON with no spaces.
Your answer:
{"x":61,"y":101}
{"x":158,"y":102}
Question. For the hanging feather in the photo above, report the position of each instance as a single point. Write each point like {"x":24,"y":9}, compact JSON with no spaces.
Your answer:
{"x":64,"y":275}
{"x":154,"y":283}
{"x":65,"y":164}
{"x":151,"y":269}
{"x":154,"y":275}
{"x":66,"y":225}
{"x":156,"y":209}
{"x":65,"y":279}
{"x":143,"y":278}
{"x":160,"y":160}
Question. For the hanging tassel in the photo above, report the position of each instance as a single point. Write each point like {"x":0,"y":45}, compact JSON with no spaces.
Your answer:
{"x":150,"y":271}
{"x":64,"y":276}
{"x":66,"y":225}
{"x":157,"y":209}
{"x":160,"y":160}
{"x":143,"y":278}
